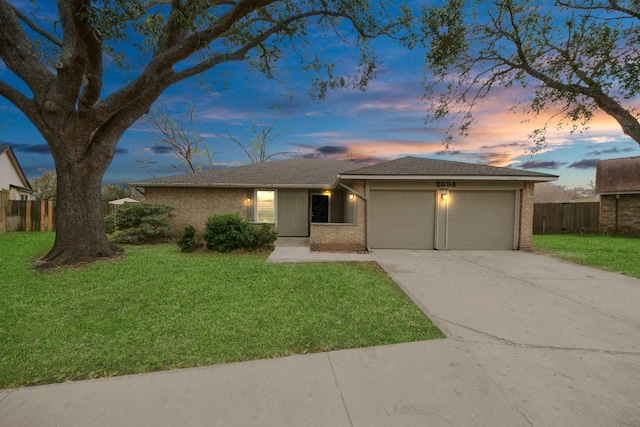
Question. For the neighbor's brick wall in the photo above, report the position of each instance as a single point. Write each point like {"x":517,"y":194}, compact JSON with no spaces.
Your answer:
{"x":192,"y":206}
{"x":342,"y":237}
{"x":525,"y":235}
{"x":627,"y":213}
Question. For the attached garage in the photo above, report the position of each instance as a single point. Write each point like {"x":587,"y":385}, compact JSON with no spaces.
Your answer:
{"x":481,"y":220}
{"x":401,"y":219}
{"x":418,"y":203}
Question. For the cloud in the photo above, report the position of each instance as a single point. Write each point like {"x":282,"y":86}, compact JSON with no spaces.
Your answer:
{"x":329,"y":150}
{"x":542,"y":165}
{"x":502,"y":159}
{"x":610,"y":151}
{"x":448,"y":153}
{"x":584,"y":164}
{"x":159,"y":149}
{"x":122,"y":151}
{"x":506,"y":145}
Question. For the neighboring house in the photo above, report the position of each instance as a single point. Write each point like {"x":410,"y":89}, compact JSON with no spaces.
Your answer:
{"x":13,"y":183}
{"x":618,"y":184}
{"x":408,"y":203}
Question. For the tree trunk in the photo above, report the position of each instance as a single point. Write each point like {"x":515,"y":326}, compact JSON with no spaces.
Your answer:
{"x":80,"y":232}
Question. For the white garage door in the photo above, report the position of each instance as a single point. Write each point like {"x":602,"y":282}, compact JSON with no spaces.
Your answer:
{"x":401,"y":219}
{"x":481,"y":219}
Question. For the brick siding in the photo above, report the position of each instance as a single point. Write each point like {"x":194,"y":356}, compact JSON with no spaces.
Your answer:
{"x":194,"y":205}
{"x":525,"y":239}
{"x":620,"y":214}
{"x":342,"y":237}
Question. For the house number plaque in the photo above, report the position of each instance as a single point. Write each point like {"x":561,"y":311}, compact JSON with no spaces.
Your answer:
{"x":445,"y":184}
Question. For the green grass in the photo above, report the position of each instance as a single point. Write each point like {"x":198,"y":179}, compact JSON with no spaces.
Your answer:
{"x":160,"y":309}
{"x":618,"y":254}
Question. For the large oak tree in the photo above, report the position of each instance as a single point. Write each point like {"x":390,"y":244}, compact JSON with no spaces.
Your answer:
{"x":572,"y":57}
{"x":62,"y":61}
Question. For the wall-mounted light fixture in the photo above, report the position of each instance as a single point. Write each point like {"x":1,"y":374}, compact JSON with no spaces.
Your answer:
{"x":352,"y":196}
{"x":248,"y":200}
{"x":443,"y":197}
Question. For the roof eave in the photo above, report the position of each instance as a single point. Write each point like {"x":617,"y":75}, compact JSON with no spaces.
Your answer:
{"x":17,"y":187}
{"x":230,"y":185}
{"x":618,"y":192}
{"x":451,"y":177}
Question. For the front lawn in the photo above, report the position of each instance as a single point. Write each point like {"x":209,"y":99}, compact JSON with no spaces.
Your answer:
{"x":160,"y":309}
{"x":619,"y":254}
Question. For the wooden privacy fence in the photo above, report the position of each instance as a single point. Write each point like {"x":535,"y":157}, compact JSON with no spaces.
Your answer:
{"x":30,"y":215}
{"x":559,"y":218}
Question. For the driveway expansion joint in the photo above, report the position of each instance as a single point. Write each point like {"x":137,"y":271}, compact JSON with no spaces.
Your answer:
{"x":335,"y":378}
{"x":6,"y":393}
{"x":511,"y":343}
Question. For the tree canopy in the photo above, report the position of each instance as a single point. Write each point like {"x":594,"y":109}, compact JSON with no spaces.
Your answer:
{"x":61,"y":57}
{"x":572,"y":57}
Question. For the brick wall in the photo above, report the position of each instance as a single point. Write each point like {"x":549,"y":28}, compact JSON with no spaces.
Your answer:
{"x":194,"y":205}
{"x":342,"y":237}
{"x":525,"y":242}
{"x":620,"y":214}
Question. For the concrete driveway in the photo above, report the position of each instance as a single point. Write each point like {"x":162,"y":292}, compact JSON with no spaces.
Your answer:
{"x":532,"y":341}
{"x":562,"y":341}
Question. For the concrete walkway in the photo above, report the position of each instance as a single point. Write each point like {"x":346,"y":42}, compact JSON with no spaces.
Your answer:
{"x":303,"y":254}
{"x":532,"y":341}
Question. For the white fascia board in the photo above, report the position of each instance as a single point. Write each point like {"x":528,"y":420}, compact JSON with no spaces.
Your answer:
{"x":452,"y":177}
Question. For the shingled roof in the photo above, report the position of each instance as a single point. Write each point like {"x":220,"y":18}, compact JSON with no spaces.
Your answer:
{"x":299,"y":172}
{"x":422,"y":167}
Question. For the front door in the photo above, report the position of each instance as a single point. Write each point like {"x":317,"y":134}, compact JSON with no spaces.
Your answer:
{"x":319,"y":208}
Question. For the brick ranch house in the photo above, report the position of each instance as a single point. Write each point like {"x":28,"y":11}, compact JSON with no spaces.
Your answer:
{"x":408,"y":203}
{"x":618,"y":184}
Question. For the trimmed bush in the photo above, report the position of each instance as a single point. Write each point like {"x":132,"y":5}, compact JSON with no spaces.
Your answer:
{"x":139,"y":223}
{"x":263,"y":236}
{"x":188,"y":241}
{"x":228,"y":232}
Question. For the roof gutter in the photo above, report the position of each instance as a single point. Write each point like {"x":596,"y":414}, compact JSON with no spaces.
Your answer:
{"x":616,"y":193}
{"x":230,"y":185}
{"x":451,"y":177}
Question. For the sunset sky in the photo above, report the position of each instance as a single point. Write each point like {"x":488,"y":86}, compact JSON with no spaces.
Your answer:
{"x":385,"y":122}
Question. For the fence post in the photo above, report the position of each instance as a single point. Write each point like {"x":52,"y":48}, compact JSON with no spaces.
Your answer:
{"x":50,"y":215}
{"x":27,"y":225}
{"x":42,"y":212}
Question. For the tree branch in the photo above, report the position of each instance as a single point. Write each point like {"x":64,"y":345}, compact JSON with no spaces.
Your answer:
{"x":24,"y":62}
{"x":16,"y":98}
{"x":36,"y":28}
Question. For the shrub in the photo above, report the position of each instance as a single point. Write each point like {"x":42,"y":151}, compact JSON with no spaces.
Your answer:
{"x":139,"y":223}
{"x":188,"y":241}
{"x":263,"y":236}
{"x":228,"y":232}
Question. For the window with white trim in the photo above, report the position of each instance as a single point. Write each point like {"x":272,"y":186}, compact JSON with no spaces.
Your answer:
{"x":266,"y":206}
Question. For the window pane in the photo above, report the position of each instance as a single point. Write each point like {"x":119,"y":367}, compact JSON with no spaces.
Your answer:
{"x":266,"y":206}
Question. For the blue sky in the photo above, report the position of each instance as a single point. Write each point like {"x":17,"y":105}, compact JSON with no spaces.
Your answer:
{"x":385,"y":122}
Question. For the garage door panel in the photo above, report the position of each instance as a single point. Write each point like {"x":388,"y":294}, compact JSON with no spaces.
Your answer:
{"x":481,"y":220}
{"x":401,"y":219}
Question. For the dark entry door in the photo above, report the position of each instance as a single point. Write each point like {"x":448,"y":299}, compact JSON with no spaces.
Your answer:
{"x":319,"y":208}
